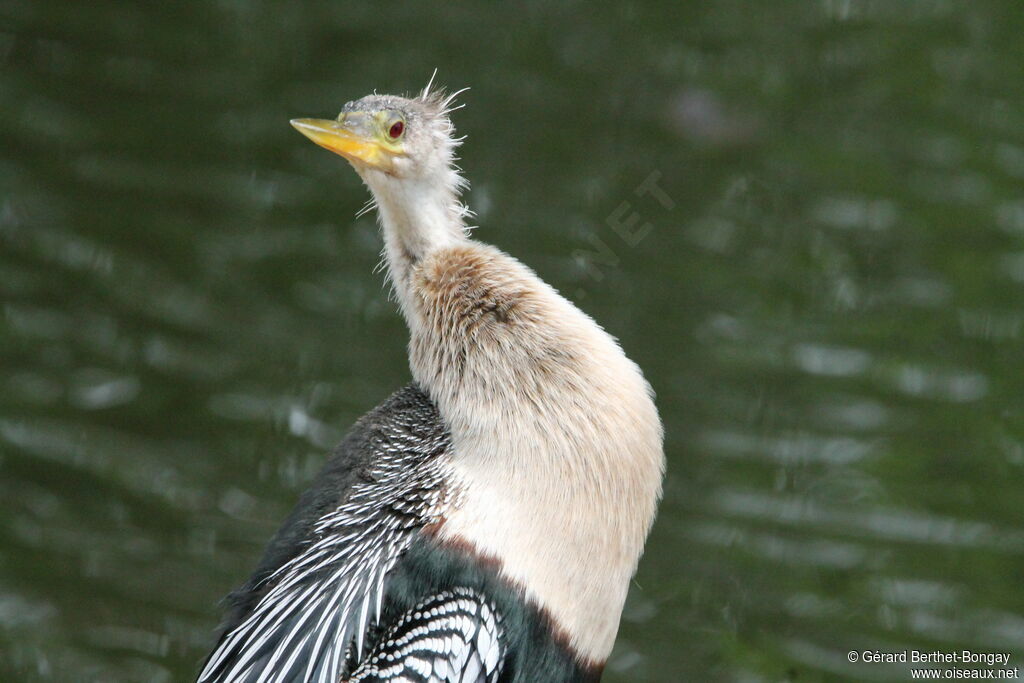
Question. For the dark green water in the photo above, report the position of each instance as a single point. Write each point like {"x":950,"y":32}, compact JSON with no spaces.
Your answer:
{"x":830,"y":311}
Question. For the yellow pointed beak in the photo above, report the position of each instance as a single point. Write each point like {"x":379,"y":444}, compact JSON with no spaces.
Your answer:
{"x":341,"y":139}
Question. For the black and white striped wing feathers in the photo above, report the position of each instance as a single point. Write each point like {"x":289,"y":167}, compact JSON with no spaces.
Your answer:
{"x":322,"y":601}
{"x":453,"y":637}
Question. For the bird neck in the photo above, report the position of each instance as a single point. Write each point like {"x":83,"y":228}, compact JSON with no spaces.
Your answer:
{"x":556,"y":443}
{"x":417,"y":218}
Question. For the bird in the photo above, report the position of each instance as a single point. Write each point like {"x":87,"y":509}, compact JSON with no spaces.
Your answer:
{"x":483,"y":523}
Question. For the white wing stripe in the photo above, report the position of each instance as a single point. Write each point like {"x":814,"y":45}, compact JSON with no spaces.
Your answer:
{"x":356,"y":545}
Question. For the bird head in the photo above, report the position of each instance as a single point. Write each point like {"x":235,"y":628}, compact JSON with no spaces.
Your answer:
{"x":405,"y":138}
{"x":404,"y":150}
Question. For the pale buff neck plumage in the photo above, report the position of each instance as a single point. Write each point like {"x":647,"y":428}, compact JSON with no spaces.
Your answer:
{"x":417,"y":218}
{"x":557,"y":443}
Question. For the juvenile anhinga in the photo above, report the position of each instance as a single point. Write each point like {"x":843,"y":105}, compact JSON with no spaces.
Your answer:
{"x":483,"y":523}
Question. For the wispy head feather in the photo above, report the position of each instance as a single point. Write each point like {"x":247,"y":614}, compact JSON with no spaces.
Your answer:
{"x":438,"y":99}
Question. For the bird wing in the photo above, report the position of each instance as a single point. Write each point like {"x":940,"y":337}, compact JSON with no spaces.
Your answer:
{"x":323,"y":580}
{"x":452,"y":637}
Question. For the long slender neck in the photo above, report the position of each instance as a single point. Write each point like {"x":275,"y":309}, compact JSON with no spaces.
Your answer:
{"x":417,"y":217}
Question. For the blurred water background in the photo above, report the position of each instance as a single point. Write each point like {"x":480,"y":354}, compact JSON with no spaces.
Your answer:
{"x":826,"y":298}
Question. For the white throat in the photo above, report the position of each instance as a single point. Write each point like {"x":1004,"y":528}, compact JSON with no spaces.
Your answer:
{"x":417,"y":218}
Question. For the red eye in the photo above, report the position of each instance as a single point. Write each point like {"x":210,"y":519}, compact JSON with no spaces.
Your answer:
{"x":396,"y":129}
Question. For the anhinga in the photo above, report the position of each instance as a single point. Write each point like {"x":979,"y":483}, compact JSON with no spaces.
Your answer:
{"x":483,"y":523}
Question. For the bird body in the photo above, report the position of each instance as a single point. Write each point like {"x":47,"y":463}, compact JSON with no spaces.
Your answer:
{"x":483,"y":523}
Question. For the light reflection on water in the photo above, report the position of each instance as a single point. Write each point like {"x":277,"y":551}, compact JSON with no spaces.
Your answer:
{"x":830,"y":313}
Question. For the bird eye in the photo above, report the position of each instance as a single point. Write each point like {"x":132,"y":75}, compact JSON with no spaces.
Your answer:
{"x":396,"y":129}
